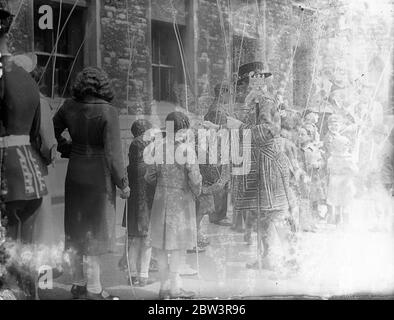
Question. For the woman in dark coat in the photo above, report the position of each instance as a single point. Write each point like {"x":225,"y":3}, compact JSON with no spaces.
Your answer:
{"x":95,"y":170}
{"x":137,"y":216}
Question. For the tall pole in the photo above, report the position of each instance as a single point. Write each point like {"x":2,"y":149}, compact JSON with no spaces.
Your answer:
{"x":259,"y":235}
{"x":265,"y":30}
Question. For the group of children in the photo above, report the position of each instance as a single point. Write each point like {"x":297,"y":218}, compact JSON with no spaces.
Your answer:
{"x":323,"y":180}
{"x":339,"y":160}
{"x":166,"y":206}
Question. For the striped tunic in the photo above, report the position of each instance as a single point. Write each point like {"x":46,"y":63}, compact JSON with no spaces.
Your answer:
{"x":267,"y":185}
{"x":274,"y":172}
{"x":22,"y":167}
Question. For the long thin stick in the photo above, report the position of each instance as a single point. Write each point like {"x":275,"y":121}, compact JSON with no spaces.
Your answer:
{"x":61,"y":32}
{"x":314,"y":67}
{"x":240,"y":51}
{"x":16,"y":14}
{"x":127,"y":251}
{"x":295,"y":51}
{"x":259,"y":235}
{"x":55,"y":55}
{"x":183,"y":52}
{"x":174,"y":12}
{"x":73,"y":64}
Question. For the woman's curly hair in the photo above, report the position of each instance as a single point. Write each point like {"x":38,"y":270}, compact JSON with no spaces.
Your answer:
{"x":93,"y":82}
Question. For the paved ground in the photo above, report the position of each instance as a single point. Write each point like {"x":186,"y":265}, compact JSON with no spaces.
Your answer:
{"x":333,"y":262}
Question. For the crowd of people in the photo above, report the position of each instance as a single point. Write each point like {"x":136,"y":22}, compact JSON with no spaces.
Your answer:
{"x":301,"y":174}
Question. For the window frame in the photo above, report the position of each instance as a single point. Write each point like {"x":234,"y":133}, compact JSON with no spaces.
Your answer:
{"x":173,"y":69}
{"x":90,"y":53}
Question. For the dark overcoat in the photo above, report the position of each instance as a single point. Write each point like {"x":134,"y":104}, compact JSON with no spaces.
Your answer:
{"x":94,"y":171}
{"x":141,"y":196}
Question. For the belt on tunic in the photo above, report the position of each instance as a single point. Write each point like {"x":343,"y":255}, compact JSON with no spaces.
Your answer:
{"x":87,"y":150}
{"x":14,"y":141}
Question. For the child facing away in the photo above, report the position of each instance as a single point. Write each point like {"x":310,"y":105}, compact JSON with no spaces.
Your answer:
{"x":341,"y":171}
{"x":173,"y":225}
{"x":138,"y":211}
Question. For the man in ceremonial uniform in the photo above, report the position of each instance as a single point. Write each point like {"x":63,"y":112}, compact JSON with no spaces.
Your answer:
{"x":22,"y":181}
{"x":245,"y":186}
{"x":269,"y":197}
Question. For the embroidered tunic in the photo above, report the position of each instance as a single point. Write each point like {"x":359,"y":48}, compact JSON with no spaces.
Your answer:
{"x":22,"y":168}
{"x":272,"y":164}
{"x":267,"y":184}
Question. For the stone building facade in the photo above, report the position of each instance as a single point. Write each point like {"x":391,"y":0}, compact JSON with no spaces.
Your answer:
{"x":119,"y":39}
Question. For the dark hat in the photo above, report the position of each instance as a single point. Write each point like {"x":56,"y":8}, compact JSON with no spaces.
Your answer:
{"x":6,"y":17}
{"x":257,"y":67}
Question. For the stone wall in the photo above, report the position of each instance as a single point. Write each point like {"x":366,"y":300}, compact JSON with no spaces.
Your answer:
{"x":281,"y":33}
{"x":21,"y":35}
{"x":126,"y":52}
{"x":222,"y":29}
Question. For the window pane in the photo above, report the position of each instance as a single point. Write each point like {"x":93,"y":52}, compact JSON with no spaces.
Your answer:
{"x":45,"y":84}
{"x":166,"y":80}
{"x":166,"y":56}
{"x":62,"y":71}
{"x":156,"y":83}
{"x":67,"y":48}
{"x":155,"y":46}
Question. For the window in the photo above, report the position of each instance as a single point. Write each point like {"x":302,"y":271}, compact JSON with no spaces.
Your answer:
{"x":166,"y":61}
{"x":67,"y":48}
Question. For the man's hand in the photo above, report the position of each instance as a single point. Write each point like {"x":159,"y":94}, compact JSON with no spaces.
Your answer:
{"x":210,"y":125}
{"x":125,"y":193}
{"x":233,"y":123}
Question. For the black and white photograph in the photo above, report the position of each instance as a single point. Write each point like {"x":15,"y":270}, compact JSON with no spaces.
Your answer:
{"x":196,"y":150}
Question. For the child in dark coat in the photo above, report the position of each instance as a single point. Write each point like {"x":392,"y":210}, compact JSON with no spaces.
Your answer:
{"x":137,"y":217}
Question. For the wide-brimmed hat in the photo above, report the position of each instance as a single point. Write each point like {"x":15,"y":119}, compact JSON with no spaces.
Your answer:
{"x":256,"y":67}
